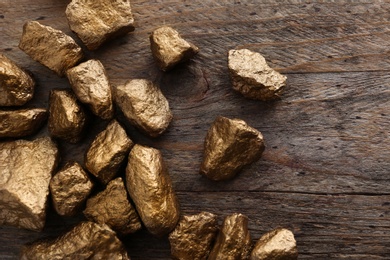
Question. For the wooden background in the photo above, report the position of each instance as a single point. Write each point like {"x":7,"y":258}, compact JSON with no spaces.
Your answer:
{"x":325,"y":173}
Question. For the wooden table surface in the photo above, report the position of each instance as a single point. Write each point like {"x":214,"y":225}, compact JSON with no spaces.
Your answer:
{"x":325,"y":173}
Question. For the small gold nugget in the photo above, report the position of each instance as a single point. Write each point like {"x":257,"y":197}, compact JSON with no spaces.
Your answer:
{"x":169,"y":48}
{"x":150,"y":187}
{"x":50,"y":47}
{"x":19,"y":123}
{"x":234,"y":240}
{"x":230,"y":144}
{"x":87,"y":240}
{"x":144,"y":105}
{"x":111,"y":207}
{"x":278,"y":244}
{"x":26,"y":168}
{"x":69,"y":189}
{"x":252,"y":77}
{"x":66,"y":116}
{"x":193,"y":236}
{"x":91,"y":86}
{"x":16,"y":86}
{"x":107,"y":152}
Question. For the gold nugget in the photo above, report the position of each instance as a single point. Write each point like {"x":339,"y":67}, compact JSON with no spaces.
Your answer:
{"x":150,"y":188}
{"x":230,"y":144}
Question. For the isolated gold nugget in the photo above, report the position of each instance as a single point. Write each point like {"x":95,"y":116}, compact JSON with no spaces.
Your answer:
{"x":107,"y":152}
{"x":150,"y":187}
{"x":66,"y":116}
{"x":91,"y":86}
{"x":278,"y":244}
{"x":87,"y":240}
{"x":69,"y":189}
{"x":111,"y":207}
{"x":252,"y":77}
{"x":19,"y":123}
{"x":169,"y":48}
{"x":95,"y":22}
{"x":26,"y":168}
{"x":16,"y":86}
{"x":144,"y":106}
{"x":230,"y":144}
{"x":50,"y":47}
{"x":234,"y":240}
{"x":193,"y":236}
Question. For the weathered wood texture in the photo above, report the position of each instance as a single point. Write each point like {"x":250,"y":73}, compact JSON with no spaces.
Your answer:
{"x":326,"y":169}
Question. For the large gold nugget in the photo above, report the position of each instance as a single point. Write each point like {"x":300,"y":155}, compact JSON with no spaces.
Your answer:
{"x":107,"y":152}
{"x":230,"y":145}
{"x":69,"y":189}
{"x":50,"y":47}
{"x":16,"y":86}
{"x":111,"y":207}
{"x":169,"y":48}
{"x":87,"y":240}
{"x":98,"y":21}
{"x":150,"y":187}
{"x":19,"y":123}
{"x":26,"y":168}
{"x":91,"y":86}
{"x":193,"y":236}
{"x":67,"y":116}
{"x":278,"y":244}
{"x":234,"y":240}
{"x":252,"y":77}
{"x":144,"y":106}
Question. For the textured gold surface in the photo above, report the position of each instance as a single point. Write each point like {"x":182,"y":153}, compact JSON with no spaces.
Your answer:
{"x":69,"y":189}
{"x":278,"y":244}
{"x":252,"y":76}
{"x":87,"y":240}
{"x":66,"y":116}
{"x":193,"y":236}
{"x":50,"y":47}
{"x":26,"y":168}
{"x":16,"y":86}
{"x":19,"y":123}
{"x":230,"y":144}
{"x":91,"y":86}
{"x":169,"y":48}
{"x":233,"y":241}
{"x":144,"y":106}
{"x":97,"y":21}
{"x":111,"y":207}
{"x":150,"y":187}
{"x":107,"y":152}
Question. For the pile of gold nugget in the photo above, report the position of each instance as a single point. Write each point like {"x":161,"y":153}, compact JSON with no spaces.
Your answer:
{"x":28,"y":169}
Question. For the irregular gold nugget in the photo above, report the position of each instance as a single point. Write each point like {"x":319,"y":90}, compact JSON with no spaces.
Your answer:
{"x":87,"y":240}
{"x":234,"y":240}
{"x":66,"y":116}
{"x":69,"y":189}
{"x":144,"y":106}
{"x":91,"y":86}
{"x":19,"y":123}
{"x":230,"y":144}
{"x":26,"y":168}
{"x":107,"y":152}
{"x":150,"y":188}
{"x":278,"y":244}
{"x":98,"y":21}
{"x":16,"y":86}
{"x":252,"y":77}
{"x":50,"y":47}
{"x":111,"y":207}
{"x":169,"y":48}
{"x":193,"y":236}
